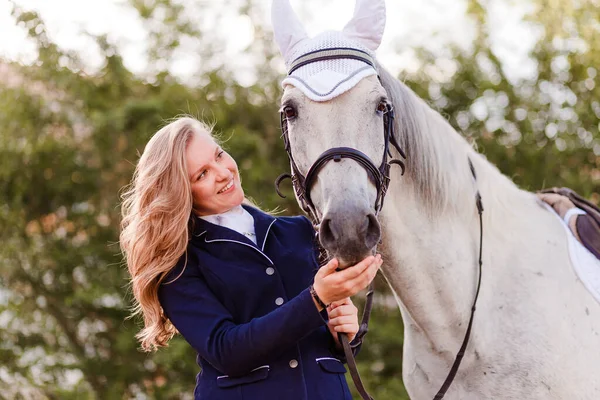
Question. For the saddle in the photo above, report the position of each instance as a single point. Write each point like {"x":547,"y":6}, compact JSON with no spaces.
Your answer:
{"x":587,"y":225}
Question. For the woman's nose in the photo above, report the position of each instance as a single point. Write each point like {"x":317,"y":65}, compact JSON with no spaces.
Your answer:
{"x":223,"y":172}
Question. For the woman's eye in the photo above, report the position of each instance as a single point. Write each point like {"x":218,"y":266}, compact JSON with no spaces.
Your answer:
{"x":220,"y":154}
{"x":289,"y":112}
{"x":382,"y":107}
{"x":202,"y":175}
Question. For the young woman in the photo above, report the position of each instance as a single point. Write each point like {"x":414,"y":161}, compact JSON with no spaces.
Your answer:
{"x":242,"y":287}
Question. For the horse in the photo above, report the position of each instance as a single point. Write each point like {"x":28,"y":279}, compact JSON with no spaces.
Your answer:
{"x":536,"y":330}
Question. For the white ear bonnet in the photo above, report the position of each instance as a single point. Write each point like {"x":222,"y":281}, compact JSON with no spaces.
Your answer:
{"x":327,"y":78}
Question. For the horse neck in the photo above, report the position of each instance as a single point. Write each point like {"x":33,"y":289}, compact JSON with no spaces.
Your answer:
{"x":430,"y":221}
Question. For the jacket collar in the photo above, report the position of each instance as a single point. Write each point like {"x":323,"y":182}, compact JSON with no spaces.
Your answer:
{"x":212,"y":232}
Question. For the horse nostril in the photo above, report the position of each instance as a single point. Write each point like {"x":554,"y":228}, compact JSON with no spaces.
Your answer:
{"x":326,"y":232}
{"x":373,"y":233}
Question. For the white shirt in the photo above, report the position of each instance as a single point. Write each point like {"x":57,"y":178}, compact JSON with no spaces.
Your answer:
{"x":237,"y":219}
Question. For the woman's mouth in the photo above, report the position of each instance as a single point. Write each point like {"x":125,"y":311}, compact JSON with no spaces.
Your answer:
{"x":227,"y":187}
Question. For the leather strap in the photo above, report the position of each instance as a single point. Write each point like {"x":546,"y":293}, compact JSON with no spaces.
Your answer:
{"x":459,"y":356}
{"x":315,"y":296}
{"x":360,"y":387}
{"x":336,"y":154}
{"x":349,"y":350}
{"x":331,"y":54}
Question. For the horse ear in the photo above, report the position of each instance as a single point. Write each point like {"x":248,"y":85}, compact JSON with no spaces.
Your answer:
{"x":287,"y":28}
{"x":367,"y":23}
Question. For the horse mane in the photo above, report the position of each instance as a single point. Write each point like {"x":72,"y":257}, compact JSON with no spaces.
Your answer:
{"x":437,"y":156}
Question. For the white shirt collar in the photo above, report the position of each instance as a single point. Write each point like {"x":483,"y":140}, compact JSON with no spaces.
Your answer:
{"x":237,"y":219}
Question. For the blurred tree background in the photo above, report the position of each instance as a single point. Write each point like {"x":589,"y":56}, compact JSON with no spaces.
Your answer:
{"x":69,"y":140}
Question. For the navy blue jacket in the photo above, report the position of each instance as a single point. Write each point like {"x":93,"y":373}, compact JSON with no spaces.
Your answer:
{"x":247,"y":311}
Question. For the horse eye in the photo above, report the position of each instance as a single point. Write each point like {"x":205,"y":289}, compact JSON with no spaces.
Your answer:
{"x":289,"y":112}
{"x":382,"y":107}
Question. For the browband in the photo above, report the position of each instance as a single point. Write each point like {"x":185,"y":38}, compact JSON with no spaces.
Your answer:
{"x":331,"y":54}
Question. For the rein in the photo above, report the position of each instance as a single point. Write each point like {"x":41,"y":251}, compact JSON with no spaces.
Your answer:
{"x":381,"y":179}
{"x":459,"y":356}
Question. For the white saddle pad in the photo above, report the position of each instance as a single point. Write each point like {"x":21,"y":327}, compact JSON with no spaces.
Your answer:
{"x":585,"y":264}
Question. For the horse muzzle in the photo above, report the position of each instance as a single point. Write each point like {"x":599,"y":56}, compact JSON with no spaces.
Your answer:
{"x":349,"y":235}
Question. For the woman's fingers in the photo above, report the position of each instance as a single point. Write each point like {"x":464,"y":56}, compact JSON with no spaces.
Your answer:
{"x":362,"y":281}
{"x":338,"y":303}
{"x":329,"y":268}
{"x":335,"y":286}
{"x":355,"y":270}
{"x":344,"y":320}
{"x":359,"y":270}
{"x":560,"y":203}
{"x":345,"y":323}
{"x":346,"y":328}
{"x":347,"y":309}
{"x":350,"y":330}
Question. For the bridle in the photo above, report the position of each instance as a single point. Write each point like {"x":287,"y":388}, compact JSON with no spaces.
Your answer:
{"x":378,"y":175}
{"x":381,"y":179}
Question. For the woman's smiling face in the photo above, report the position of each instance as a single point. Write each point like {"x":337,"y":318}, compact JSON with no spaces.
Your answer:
{"x":214,"y":176}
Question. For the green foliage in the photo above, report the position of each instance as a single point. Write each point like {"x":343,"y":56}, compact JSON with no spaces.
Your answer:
{"x":69,"y":141}
{"x":540,"y":130}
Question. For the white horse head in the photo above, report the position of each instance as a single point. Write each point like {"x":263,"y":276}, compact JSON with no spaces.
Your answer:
{"x":536,"y":329}
{"x":349,"y":228}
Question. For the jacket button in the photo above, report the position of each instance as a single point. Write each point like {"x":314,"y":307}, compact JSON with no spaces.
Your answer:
{"x":279,"y":301}
{"x":270,"y":271}
{"x":293,"y":363}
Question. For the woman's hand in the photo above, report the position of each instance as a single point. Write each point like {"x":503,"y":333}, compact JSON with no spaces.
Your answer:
{"x":343,"y":318}
{"x":561,"y":204}
{"x":331,"y":285}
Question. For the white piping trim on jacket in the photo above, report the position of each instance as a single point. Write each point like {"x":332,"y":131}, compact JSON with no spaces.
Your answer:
{"x":255,"y":369}
{"x":267,"y":234}
{"x":328,"y":358}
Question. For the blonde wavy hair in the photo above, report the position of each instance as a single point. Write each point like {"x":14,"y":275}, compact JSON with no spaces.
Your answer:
{"x":156,"y":210}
